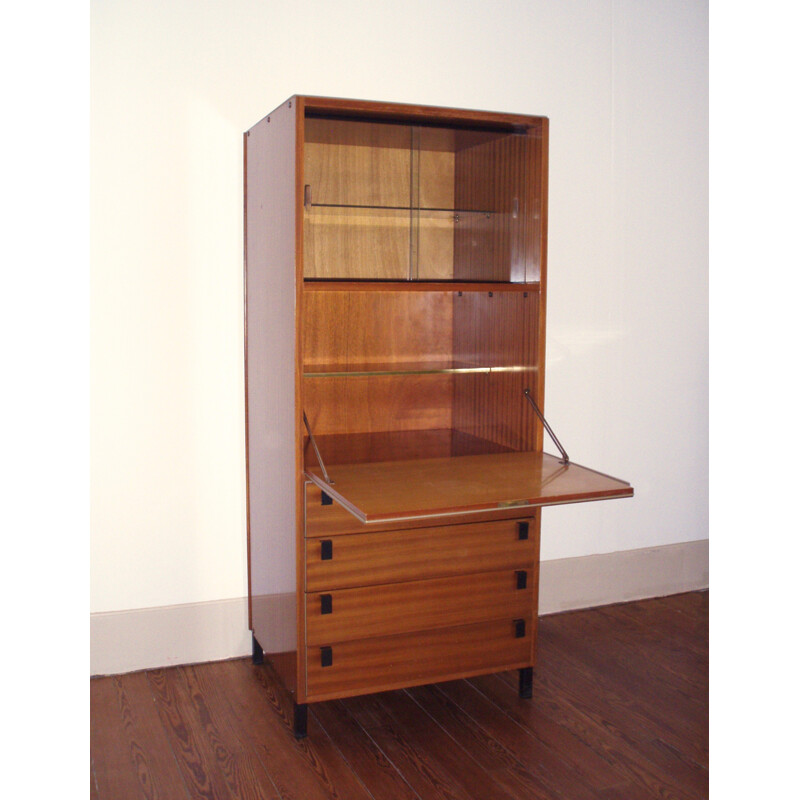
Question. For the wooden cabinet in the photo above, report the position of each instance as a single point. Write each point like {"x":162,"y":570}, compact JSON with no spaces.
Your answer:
{"x":395,"y":286}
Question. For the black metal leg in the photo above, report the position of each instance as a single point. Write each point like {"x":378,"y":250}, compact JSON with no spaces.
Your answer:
{"x":300,"y":720}
{"x":258,"y":653}
{"x":526,"y":682}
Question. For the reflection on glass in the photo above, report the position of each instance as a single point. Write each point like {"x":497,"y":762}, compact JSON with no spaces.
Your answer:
{"x":396,"y":202}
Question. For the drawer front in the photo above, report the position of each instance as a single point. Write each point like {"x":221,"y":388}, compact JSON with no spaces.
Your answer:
{"x":391,"y":662}
{"x":364,"y":559}
{"x":346,"y":614}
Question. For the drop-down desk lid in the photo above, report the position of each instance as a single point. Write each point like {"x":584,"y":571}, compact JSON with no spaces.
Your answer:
{"x":390,"y":491}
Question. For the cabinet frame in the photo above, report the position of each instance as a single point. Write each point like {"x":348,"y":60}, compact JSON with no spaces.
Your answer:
{"x":279,"y":473}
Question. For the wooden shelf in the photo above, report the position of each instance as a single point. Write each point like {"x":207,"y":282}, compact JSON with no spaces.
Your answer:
{"x":437,"y":487}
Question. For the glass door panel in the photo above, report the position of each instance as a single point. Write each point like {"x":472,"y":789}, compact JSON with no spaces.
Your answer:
{"x":401,"y":202}
{"x":357,"y":199}
{"x":472,"y":204}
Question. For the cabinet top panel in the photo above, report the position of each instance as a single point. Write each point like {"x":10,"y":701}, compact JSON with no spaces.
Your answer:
{"x":404,"y":112}
{"x":438,"y":487}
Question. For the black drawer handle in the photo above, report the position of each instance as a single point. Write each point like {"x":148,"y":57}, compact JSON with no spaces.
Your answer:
{"x":522,"y":579}
{"x":326,"y":550}
{"x":522,"y":530}
{"x":519,"y":628}
{"x":325,"y":604}
{"x":326,"y":656}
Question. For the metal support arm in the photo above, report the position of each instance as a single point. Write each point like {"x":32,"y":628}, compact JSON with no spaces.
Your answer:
{"x":564,"y":456}
{"x":316,"y":450}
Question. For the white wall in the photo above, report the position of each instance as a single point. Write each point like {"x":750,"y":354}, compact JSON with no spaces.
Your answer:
{"x":175,"y":83}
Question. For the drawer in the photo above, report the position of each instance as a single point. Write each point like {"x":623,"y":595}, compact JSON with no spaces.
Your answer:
{"x":391,"y":662}
{"x":363,"y":559}
{"x":347,"y":614}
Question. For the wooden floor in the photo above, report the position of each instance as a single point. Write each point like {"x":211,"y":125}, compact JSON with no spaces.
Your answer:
{"x":619,"y":712}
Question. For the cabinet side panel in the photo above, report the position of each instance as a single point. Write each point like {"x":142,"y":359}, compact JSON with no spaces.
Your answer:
{"x":270,"y":359}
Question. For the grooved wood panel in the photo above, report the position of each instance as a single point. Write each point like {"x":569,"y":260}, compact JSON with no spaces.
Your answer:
{"x":410,"y":659}
{"x":496,"y":328}
{"x":390,"y":557}
{"x":387,"y":609}
{"x":533,"y":239}
{"x":494,"y":176}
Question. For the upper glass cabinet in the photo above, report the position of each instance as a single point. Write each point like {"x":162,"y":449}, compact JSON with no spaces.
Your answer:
{"x":395,"y":202}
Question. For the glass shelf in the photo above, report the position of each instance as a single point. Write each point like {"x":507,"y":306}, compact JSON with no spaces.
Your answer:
{"x":343,"y":208}
{"x":406,"y":368}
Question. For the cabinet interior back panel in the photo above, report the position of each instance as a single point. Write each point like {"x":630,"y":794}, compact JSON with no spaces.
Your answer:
{"x":349,"y":329}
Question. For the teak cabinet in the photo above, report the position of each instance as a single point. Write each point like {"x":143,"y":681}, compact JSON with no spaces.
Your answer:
{"x":395,"y":284}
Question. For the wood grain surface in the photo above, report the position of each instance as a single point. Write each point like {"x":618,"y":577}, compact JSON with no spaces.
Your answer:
{"x":387,"y":609}
{"x":364,"y":559}
{"x":355,"y":328}
{"x":392,"y":202}
{"x":410,"y":659}
{"x":441,"y":486}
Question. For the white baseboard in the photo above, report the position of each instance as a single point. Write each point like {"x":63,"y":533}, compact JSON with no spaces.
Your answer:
{"x":569,"y":583}
{"x":125,"y":641}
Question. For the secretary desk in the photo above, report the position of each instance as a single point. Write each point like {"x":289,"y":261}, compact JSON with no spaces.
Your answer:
{"x":395,"y":295}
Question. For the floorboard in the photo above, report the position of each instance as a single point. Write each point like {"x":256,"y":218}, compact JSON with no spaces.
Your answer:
{"x":378,"y":774}
{"x":131,"y":753}
{"x":619,"y":712}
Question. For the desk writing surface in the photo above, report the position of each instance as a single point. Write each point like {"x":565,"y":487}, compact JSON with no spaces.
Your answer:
{"x":395,"y":490}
